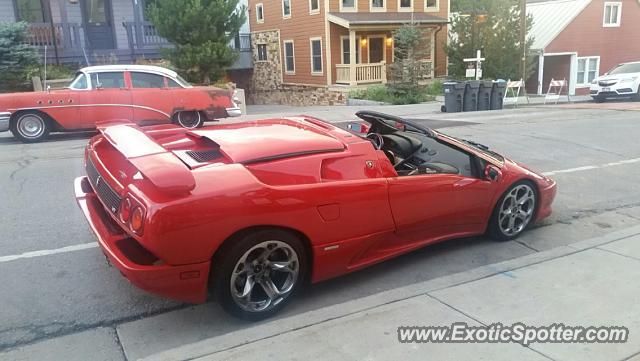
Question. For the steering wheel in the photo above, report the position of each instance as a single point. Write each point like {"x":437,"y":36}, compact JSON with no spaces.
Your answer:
{"x":376,"y":140}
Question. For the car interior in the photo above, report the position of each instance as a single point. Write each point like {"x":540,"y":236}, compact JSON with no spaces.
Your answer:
{"x":415,"y":150}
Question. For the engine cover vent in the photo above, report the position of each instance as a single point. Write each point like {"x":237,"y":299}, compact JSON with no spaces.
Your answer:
{"x":203,"y":156}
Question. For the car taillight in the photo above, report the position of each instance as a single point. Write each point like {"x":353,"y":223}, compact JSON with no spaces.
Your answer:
{"x":125,"y":210}
{"x":137,"y":220}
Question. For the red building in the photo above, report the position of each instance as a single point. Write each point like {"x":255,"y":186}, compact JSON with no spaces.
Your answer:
{"x":578,"y":40}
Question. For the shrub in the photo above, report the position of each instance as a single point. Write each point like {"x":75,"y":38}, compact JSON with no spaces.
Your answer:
{"x":17,"y":58}
{"x":396,"y":95}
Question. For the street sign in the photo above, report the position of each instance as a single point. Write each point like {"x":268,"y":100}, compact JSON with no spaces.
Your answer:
{"x":475,"y":71}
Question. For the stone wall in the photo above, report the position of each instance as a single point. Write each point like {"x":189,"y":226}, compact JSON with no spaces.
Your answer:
{"x":298,"y":95}
{"x":267,"y":75}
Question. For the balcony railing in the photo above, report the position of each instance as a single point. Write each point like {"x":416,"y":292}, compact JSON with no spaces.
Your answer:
{"x":361,"y":73}
{"x":56,"y":35}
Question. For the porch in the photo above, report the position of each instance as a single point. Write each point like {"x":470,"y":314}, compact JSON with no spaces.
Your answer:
{"x":363,"y":50}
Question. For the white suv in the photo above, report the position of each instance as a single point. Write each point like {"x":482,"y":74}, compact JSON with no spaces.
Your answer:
{"x":621,"y":81}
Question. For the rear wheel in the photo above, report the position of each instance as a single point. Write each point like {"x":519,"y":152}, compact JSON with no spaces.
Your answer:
{"x":259,"y":273}
{"x":189,"y":119}
{"x":30,"y":126}
{"x":513,"y":212}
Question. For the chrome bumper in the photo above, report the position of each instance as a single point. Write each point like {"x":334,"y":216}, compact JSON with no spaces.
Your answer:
{"x":234,"y":112}
{"x":4,"y":121}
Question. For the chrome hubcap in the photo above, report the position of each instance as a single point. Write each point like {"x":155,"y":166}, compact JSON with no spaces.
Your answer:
{"x":516,"y":210}
{"x":31,"y":126}
{"x":189,"y":120}
{"x":264,"y":276}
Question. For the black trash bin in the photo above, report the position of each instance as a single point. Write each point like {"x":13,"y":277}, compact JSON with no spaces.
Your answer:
{"x":484,"y":95}
{"x":497,"y":94}
{"x":453,"y":97}
{"x":471,"y":96}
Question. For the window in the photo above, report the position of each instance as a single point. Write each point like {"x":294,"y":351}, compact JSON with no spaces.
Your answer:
{"x":262,"y":52}
{"x":348,"y":5}
{"x":110,"y":80}
{"x":316,"y":56}
{"x":286,"y":9}
{"x":378,"y":5}
{"x":612,"y":14}
{"x":405,"y":5}
{"x":588,"y":69}
{"x":260,"y":13}
{"x":314,"y":6}
{"x":431,"y":5}
{"x":147,"y":80}
{"x":346,"y":50}
{"x":173,"y":84}
{"x":79,"y":82}
{"x":289,"y":57}
{"x":31,"y":11}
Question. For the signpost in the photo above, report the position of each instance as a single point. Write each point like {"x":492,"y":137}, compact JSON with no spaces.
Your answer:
{"x":475,"y":70}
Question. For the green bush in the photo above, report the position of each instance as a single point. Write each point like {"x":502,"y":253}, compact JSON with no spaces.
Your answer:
{"x":435,"y":88}
{"x":397,"y":95}
{"x":17,"y":58}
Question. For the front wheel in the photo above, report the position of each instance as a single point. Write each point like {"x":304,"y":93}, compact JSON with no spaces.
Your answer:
{"x":189,"y":119}
{"x":259,"y":273}
{"x":30,"y":126}
{"x":513,"y":212}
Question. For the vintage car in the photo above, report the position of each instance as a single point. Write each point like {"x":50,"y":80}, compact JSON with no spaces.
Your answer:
{"x":253,"y":210}
{"x":142,"y":94}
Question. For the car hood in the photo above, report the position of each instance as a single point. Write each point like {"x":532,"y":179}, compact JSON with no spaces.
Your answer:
{"x":618,"y":76}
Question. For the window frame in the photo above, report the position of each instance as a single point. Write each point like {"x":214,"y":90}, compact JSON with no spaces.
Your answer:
{"x":287,"y":16}
{"x":132,"y":72}
{"x":43,"y":9}
{"x":618,"y":21}
{"x":266,"y":53}
{"x":313,"y":11}
{"x":588,"y":59}
{"x":293,"y":56}
{"x":261,"y":6}
{"x":431,"y":8}
{"x":405,"y":9}
{"x":358,"y":53}
{"x":378,"y":9}
{"x":313,"y":72}
{"x":87,"y":81}
{"x":351,"y":9}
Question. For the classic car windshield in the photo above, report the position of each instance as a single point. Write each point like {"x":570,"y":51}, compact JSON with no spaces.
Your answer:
{"x":79,"y":82}
{"x":626,"y":68}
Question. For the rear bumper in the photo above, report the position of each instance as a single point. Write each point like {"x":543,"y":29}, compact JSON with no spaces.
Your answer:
{"x":547,"y":195}
{"x":4,"y":121}
{"x":186,"y":283}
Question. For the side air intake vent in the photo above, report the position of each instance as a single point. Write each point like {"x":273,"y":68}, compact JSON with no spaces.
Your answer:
{"x":204,"y":155}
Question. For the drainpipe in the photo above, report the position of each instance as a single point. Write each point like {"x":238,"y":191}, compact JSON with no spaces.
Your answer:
{"x":435,"y":48}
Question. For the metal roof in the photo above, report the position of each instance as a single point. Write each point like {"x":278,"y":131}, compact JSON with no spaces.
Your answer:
{"x":143,"y":68}
{"x":551,"y":17}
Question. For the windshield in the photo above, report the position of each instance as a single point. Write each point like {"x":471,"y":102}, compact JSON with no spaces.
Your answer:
{"x":482,"y":148}
{"x":79,"y":82}
{"x":625,"y":68}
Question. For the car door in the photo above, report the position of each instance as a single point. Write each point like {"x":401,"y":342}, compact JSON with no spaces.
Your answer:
{"x":108,"y":99}
{"x":431,"y":206}
{"x":153,"y":101}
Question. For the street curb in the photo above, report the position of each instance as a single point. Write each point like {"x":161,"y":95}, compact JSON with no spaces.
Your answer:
{"x":273,"y":328}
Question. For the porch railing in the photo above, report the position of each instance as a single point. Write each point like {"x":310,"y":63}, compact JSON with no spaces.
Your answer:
{"x":60,"y":35}
{"x":143,"y":36}
{"x":361,"y":73}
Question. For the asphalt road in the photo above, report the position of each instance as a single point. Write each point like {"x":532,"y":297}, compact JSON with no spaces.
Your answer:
{"x":592,"y":153}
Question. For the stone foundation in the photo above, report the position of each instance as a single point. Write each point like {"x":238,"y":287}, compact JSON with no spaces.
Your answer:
{"x":298,"y":95}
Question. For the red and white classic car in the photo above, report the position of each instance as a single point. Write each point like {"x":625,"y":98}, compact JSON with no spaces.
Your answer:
{"x":145,"y":95}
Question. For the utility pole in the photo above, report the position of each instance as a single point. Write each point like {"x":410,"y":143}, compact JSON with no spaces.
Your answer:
{"x":523,"y":39}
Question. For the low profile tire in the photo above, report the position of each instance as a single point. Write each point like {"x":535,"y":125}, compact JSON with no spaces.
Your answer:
{"x":30,"y":126}
{"x":189,"y":119}
{"x":258,"y":273}
{"x":514,"y":211}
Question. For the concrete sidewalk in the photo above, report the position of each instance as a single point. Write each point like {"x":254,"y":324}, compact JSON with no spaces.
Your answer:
{"x":589,"y":283}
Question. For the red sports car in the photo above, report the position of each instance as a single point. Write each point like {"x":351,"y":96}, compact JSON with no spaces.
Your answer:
{"x":252,"y":210}
{"x":143,"y":94}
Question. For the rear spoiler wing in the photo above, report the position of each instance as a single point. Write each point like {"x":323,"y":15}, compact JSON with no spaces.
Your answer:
{"x":158,"y":165}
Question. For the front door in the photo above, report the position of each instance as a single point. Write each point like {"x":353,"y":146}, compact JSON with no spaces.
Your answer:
{"x":98,"y":23}
{"x":153,"y":102}
{"x":376,"y":50}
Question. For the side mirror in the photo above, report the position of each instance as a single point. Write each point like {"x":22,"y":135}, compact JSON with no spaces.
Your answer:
{"x":358,"y":128}
{"x":492,"y":173}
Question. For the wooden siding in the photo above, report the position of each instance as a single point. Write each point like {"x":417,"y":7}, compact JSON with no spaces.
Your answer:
{"x":586,"y":36}
{"x":392,"y":7}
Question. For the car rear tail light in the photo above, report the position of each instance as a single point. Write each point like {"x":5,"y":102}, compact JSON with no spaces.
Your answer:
{"x":137,"y":220}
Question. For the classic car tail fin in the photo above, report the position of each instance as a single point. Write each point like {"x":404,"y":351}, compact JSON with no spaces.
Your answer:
{"x":158,"y":165}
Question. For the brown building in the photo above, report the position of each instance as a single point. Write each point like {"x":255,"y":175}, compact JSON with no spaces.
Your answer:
{"x":313,"y":51}
{"x":578,"y":40}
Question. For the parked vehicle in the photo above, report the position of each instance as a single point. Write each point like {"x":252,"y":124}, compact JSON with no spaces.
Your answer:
{"x":623,"y":81}
{"x":252,"y":210}
{"x":142,"y":94}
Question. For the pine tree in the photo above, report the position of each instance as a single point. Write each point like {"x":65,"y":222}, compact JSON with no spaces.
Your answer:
{"x":200,"y":31}
{"x":492,"y":26}
{"x":408,"y":67}
{"x":17,"y":58}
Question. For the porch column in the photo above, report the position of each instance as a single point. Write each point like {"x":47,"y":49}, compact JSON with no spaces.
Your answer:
{"x":353,"y":47}
{"x":540,"y":73}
